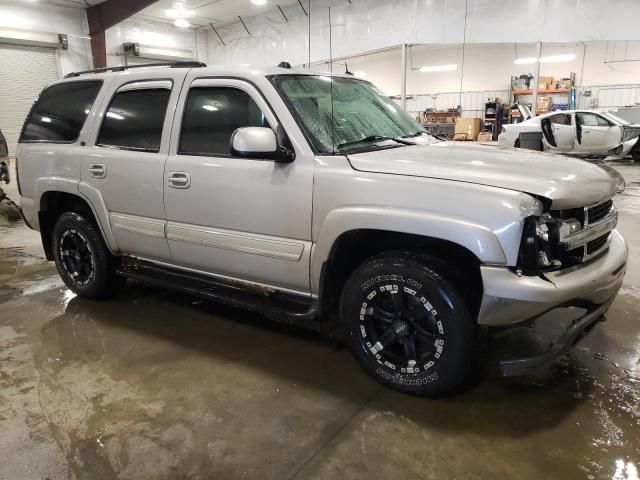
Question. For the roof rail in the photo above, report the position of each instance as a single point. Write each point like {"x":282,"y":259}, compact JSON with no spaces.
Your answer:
{"x":121,"y":68}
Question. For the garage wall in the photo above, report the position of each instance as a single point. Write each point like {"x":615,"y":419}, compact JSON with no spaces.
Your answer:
{"x":156,"y":34}
{"x":55,"y":19}
{"x":24,"y":72}
{"x":369,"y":25}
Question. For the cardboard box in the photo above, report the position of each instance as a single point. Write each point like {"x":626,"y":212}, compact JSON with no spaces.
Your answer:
{"x":467,"y":128}
{"x":485,"y":137}
{"x":545,"y":83}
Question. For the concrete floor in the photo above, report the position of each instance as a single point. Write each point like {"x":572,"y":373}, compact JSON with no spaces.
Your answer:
{"x":157,"y":385}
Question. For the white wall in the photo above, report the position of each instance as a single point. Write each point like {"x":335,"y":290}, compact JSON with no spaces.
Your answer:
{"x":54,"y":19}
{"x":155,"y":34}
{"x":362,"y":26}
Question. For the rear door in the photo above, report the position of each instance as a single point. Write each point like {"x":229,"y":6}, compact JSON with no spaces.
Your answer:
{"x":558,"y":133}
{"x":596,"y":134}
{"x":126,"y":157}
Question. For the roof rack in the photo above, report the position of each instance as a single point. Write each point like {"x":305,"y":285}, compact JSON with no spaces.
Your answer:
{"x":121,"y":68}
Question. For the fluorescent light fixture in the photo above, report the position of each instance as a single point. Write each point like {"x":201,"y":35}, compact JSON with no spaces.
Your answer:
{"x":567,"y":57}
{"x":46,"y":119}
{"x":181,"y":23}
{"x":259,"y":2}
{"x":210,"y":108}
{"x":117,"y":116}
{"x":360,"y":74}
{"x":525,"y":61}
{"x":439,"y":68}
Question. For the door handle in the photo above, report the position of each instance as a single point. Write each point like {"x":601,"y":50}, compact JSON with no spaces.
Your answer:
{"x":97,"y":170}
{"x":179,"y":180}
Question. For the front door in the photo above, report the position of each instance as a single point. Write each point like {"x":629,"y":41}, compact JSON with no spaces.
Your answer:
{"x":244,"y":218}
{"x":596,"y":134}
{"x":125,"y":159}
{"x":558,"y":133}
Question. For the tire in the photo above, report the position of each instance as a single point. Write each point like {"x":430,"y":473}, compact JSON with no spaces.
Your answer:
{"x":400,"y":305}
{"x":635,"y":154}
{"x":517,"y":144}
{"x":82,"y":258}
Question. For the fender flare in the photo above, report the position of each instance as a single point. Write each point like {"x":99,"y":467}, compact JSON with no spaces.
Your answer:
{"x":88,"y":194}
{"x":476,"y":238}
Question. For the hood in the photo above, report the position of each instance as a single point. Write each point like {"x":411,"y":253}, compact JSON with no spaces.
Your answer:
{"x":567,"y":182}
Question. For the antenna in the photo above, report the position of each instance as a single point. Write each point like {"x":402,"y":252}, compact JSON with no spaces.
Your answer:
{"x":333,"y":123}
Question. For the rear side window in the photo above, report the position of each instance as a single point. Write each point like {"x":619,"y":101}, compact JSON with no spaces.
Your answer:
{"x":210,"y":117}
{"x":60,"y":112}
{"x":134,"y":120}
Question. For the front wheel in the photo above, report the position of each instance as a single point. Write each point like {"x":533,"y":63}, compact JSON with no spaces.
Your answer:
{"x":409,"y":328}
{"x":82,"y":258}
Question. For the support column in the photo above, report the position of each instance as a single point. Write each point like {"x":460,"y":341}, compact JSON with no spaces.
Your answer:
{"x":536,"y":79}
{"x":105,"y":15}
{"x":403,"y":77}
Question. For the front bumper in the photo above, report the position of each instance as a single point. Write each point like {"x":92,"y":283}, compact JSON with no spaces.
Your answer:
{"x":510,"y":299}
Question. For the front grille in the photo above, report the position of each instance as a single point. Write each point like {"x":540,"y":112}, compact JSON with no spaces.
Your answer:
{"x":598,"y":212}
{"x":594,"y":245}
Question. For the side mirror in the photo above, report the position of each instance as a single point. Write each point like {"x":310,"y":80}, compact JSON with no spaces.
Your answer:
{"x":259,"y":142}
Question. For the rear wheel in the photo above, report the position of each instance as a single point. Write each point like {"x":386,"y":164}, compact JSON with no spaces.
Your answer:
{"x":82,"y":258}
{"x":635,"y":154}
{"x":409,"y":328}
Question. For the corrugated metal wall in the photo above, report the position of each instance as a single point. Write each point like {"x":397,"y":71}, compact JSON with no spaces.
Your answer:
{"x":24,"y":72}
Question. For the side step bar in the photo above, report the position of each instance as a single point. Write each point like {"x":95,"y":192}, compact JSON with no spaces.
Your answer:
{"x":276,"y":305}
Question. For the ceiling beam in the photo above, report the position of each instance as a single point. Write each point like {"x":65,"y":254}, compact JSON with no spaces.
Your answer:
{"x":105,"y":15}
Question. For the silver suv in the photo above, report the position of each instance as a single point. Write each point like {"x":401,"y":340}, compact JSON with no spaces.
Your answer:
{"x":318,"y":201}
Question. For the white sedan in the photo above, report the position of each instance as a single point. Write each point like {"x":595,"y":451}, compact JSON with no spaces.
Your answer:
{"x":578,"y":132}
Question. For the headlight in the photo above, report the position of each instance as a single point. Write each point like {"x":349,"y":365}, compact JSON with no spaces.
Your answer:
{"x":540,"y":249}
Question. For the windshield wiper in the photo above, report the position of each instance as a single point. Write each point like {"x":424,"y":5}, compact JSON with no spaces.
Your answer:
{"x":374,"y":138}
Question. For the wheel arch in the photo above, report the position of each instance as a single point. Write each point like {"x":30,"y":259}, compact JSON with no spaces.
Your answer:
{"x":353,"y":247}
{"x":54,"y":203}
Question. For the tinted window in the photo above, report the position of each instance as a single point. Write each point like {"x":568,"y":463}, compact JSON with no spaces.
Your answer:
{"x":134,"y":119}
{"x":211,"y":115}
{"x":59,"y":113}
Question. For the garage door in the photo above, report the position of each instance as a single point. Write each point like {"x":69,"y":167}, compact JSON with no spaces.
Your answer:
{"x":24,"y":72}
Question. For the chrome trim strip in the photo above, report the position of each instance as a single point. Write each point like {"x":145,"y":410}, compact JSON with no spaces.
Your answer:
{"x":226,"y":277}
{"x":236,"y":241}
{"x":591,"y":232}
{"x":141,"y":225}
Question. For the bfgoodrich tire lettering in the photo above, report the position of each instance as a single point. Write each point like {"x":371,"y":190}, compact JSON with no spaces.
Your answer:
{"x":82,"y":259}
{"x":409,"y":328}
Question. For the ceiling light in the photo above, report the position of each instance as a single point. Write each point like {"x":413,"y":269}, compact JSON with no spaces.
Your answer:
{"x":525,"y":61}
{"x":567,"y":57}
{"x":259,"y":2}
{"x":439,"y":68}
{"x":360,"y":74}
{"x":210,"y":108}
{"x":182,"y":23}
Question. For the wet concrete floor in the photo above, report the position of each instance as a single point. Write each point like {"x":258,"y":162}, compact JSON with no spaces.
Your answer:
{"x":157,"y":385}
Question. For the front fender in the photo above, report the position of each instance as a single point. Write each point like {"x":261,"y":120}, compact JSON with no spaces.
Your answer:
{"x":476,"y":238}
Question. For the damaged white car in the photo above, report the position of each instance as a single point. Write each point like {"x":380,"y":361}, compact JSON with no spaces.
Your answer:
{"x":578,"y":132}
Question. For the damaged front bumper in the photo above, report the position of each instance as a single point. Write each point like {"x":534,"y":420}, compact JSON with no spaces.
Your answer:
{"x":511,"y":300}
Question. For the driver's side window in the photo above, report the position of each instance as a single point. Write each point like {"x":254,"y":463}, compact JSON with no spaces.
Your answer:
{"x":592,"y":120}
{"x":211,"y":115}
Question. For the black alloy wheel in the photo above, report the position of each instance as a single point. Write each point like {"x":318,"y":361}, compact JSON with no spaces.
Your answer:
{"x":409,"y":328}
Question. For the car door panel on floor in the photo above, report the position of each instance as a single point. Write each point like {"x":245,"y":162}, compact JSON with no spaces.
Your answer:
{"x":126,"y":161}
{"x":238,"y":217}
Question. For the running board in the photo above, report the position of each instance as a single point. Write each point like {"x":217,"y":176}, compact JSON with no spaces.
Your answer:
{"x":276,"y":305}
